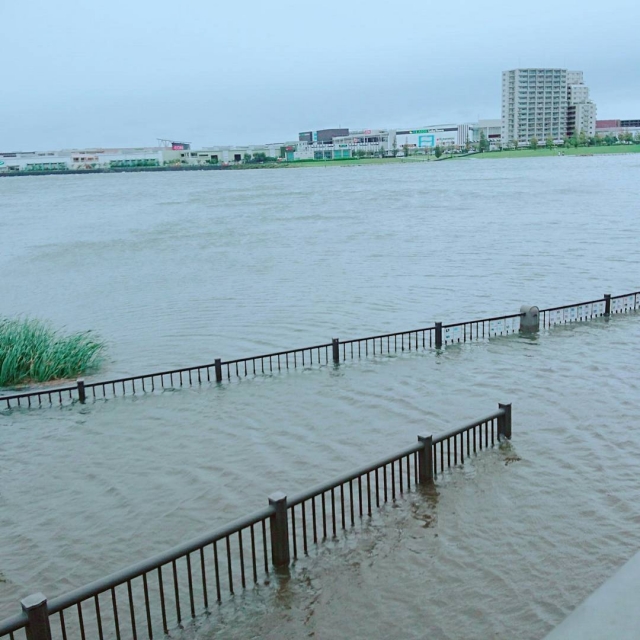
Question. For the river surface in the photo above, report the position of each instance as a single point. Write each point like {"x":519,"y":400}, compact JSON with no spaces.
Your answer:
{"x":179,"y":269}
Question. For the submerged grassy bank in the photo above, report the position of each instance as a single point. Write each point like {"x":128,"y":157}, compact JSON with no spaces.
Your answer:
{"x":31,"y":351}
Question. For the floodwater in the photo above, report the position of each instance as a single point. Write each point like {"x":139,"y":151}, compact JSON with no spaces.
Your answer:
{"x":179,"y":269}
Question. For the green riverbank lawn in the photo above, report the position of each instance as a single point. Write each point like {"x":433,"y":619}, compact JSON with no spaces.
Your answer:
{"x":570,"y":151}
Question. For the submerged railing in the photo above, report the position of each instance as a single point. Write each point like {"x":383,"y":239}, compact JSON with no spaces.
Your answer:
{"x":151,"y":598}
{"x":330,"y":353}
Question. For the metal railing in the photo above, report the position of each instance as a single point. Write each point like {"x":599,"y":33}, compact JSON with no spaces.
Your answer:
{"x":331,"y":353}
{"x":151,"y":598}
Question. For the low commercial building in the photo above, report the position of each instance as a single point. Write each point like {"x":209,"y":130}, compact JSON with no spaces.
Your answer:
{"x":322,"y":136}
{"x":327,"y":145}
{"x":113,"y":158}
{"x":78,"y":159}
{"x":224,"y":155}
{"x":424,"y":139}
{"x":32,"y":161}
{"x":616,"y":127}
{"x":492,"y":130}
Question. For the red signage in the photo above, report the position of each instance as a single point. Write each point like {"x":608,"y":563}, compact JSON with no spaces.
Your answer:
{"x":607,"y":124}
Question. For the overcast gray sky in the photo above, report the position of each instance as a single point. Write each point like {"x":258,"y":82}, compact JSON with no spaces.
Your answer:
{"x":80,"y":73}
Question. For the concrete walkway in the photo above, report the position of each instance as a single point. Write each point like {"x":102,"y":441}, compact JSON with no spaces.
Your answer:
{"x":612,"y":611}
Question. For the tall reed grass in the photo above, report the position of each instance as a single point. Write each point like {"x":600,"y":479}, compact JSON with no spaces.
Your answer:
{"x":31,"y":351}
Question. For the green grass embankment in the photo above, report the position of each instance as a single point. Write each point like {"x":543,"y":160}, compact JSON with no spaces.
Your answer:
{"x":568,"y":151}
{"x":30,"y":351}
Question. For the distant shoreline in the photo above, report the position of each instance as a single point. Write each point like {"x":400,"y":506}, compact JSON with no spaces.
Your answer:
{"x":216,"y":167}
{"x":487,"y":155}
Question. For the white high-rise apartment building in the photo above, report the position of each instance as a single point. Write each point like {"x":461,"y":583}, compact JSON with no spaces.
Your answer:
{"x":534,"y":105}
{"x":581,"y":112}
{"x":544,"y":103}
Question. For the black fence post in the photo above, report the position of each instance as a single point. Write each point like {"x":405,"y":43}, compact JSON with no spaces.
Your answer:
{"x":82,"y":395}
{"x":35,"y":606}
{"x":218,"y":367}
{"x":607,"y":304}
{"x":279,"y":525}
{"x":438,"y":335}
{"x":425,"y":460}
{"x":504,"y":421}
{"x":335,"y":343}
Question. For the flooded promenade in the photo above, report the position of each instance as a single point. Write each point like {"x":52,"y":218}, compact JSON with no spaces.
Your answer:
{"x":177,"y":269}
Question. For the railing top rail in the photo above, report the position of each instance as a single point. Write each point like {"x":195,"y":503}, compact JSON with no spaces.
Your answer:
{"x":505,"y":317}
{"x":470,"y":425}
{"x":129,"y":573}
{"x":14,"y":623}
{"x":276,"y":353}
{"x":155,"y":374}
{"x":625,"y":295}
{"x":26,"y":394}
{"x":336,"y":482}
{"x":575,"y":304}
{"x":386,"y":335}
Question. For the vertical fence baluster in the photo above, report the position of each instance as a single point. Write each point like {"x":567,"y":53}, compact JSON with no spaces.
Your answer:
{"x":304,"y":528}
{"x":333,"y":511}
{"x":203,"y":575}
{"x":241,"y":549}
{"x":81,"y":621}
{"x":229,"y":567}
{"x":313,"y":515}
{"x":217,"y":570}
{"x":293,"y":532}
{"x":264,"y":546}
{"x":146,"y":604}
{"x":176,"y":591}
{"x":351,"y":502}
{"x":393,"y":481}
{"x":116,"y":621}
{"x":132,"y":612}
{"x":324,"y":519}
{"x":384,"y":479}
{"x":163,"y":607}
{"x":63,"y":627}
{"x":192,"y":603}
{"x":99,"y":617}
{"x":253,"y":555}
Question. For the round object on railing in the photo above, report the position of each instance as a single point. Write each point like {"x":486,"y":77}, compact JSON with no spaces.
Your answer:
{"x":530,"y":318}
